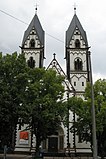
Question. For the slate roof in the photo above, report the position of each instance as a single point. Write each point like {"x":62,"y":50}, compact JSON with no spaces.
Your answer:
{"x":69,"y":33}
{"x":36,"y":24}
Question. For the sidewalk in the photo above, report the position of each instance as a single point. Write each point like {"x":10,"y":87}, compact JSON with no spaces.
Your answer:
{"x":15,"y":156}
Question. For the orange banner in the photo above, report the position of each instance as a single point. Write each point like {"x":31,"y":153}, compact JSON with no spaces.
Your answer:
{"x":24,"y":135}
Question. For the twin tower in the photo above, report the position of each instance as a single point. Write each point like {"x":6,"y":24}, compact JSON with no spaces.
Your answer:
{"x":76,"y":55}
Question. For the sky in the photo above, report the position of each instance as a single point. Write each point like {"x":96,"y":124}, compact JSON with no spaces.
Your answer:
{"x":55,"y":17}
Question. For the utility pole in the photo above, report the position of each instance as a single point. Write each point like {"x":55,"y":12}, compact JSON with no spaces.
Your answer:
{"x":94,"y":140}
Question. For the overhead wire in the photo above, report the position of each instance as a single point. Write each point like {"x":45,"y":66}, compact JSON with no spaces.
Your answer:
{"x":13,"y":17}
{"x":27,"y":24}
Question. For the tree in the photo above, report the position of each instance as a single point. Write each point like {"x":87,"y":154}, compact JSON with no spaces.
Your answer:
{"x":33,"y":95}
{"x":44,"y":101}
{"x":12,"y":86}
{"x":83,"y":125}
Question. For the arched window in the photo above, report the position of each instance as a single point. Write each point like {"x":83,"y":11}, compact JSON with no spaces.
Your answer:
{"x":78,"y":64}
{"x":77,"y":43}
{"x":32,"y":43}
{"x":31,"y":62}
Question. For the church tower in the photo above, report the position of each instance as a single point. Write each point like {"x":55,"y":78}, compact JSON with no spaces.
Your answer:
{"x":33,"y":49}
{"x":33,"y":44}
{"x":77,"y":56}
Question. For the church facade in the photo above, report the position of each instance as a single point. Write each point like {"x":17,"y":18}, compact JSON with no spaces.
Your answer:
{"x":76,"y":77}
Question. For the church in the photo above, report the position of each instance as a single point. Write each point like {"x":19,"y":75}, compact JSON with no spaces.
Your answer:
{"x":77,"y":75}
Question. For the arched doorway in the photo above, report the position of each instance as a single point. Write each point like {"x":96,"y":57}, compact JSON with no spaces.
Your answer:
{"x":55,"y":142}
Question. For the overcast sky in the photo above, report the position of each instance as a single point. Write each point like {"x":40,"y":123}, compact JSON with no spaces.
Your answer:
{"x":55,"y":17}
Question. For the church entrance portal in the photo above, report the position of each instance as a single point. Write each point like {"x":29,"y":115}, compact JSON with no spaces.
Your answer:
{"x":52,"y":144}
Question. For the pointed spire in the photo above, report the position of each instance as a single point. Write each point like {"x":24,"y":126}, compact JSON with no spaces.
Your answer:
{"x":69,"y":33}
{"x":35,"y":23}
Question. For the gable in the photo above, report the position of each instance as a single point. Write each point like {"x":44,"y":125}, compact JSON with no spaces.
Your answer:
{"x":56,"y":66}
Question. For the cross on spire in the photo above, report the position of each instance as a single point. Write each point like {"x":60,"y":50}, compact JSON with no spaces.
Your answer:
{"x":75,"y":8}
{"x":36,"y":8}
{"x":54,"y":55}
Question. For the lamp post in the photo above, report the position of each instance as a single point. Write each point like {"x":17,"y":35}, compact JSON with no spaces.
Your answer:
{"x":93,"y":112}
{"x":68,"y":144}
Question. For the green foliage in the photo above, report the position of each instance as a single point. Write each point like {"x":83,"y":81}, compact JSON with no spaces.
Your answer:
{"x":33,"y":96}
{"x":12,"y":86}
{"x":44,"y":102}
{"x":83,"y":124}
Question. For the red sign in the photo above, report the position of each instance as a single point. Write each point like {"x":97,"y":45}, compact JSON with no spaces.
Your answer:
{"x":24,"y":135}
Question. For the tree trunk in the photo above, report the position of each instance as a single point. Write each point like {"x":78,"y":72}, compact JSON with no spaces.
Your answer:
{"x":37,"y":154}
{"x":38,"y":142}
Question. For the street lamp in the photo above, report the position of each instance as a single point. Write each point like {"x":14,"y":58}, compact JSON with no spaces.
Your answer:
{"x":93,"y":112}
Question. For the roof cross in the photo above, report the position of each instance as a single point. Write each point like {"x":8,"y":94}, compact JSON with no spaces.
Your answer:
{"x":36,"y":8}
{"x":54,"y":55}
{"x":75,"y":8}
